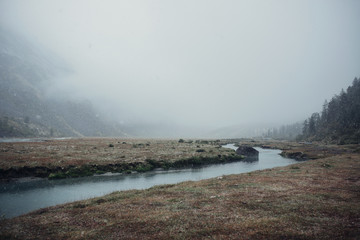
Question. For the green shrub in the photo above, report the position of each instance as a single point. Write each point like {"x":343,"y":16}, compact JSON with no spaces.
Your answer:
{"x":144,"y":168}
{"x":57,"y":175}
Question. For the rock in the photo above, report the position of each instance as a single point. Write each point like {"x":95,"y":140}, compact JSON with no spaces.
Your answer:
{"x":247,"y":151}
{"x":266,"y":147}
{"x":295,"y":155}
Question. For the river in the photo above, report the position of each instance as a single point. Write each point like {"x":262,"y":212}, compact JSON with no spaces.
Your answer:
{"x":25,"y":195}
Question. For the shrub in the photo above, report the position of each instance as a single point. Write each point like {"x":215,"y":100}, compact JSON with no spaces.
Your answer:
{"x":144,"y":168}
{"x":57,"y":175}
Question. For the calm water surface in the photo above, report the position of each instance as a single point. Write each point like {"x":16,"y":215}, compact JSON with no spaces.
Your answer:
{"x":23,"y":196}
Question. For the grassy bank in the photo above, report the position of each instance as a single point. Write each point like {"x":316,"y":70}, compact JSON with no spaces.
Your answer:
{"x":317,"y":199}
{"x":88,"y":156}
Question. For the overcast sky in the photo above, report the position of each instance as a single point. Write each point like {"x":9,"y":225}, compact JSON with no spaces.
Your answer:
{"x":198,"y":62}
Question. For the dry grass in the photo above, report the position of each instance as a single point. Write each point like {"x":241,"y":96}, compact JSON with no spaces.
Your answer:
{"x":98,"y":151}
{"x":318,"y":199}
{"x":55,"y":155}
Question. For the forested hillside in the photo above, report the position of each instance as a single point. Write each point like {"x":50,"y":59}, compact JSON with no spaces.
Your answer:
{"x":339,"y":121}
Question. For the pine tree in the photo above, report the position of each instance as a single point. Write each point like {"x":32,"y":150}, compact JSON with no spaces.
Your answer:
{"x":339,"y":120}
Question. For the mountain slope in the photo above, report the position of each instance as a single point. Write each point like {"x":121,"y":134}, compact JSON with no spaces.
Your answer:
{"x":25,"y":73}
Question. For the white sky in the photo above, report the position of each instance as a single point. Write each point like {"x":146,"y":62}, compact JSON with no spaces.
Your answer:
{"x":198,"y":62}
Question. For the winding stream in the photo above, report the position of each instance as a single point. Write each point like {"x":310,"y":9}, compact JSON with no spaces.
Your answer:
{"x":26,"y":195}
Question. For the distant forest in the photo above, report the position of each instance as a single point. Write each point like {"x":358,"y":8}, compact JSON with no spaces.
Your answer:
{"x":339,"y":121}
{"x":285,"y":132}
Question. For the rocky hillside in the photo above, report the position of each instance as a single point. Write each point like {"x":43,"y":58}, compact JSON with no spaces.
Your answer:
{"x":26,"y":71}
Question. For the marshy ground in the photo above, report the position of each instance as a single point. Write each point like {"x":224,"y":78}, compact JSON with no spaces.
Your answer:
{"x":315,"y":199}
{"x":88,"y":156}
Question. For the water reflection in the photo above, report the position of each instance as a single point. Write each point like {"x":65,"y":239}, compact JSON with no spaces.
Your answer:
{"x":251,"y":159}
{"x":21,"y":197}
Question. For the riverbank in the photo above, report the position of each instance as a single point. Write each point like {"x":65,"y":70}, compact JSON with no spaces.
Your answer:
{"x":63,"y":158}
{"x":317,"y":199}
{"x":25,"y":195}
{"x":302,"y":150}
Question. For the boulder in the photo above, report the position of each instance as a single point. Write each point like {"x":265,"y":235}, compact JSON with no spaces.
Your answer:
{"x":247,"y":151}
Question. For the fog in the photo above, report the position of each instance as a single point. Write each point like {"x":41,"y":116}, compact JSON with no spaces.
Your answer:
{"x":199,"y":63}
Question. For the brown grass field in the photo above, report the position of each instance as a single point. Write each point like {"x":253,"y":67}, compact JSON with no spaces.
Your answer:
{"x":80,"y":151}
{"x":86,"y":156}
{"x":315,"y":199}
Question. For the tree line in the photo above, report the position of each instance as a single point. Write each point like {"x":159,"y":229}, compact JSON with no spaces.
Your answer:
{"x":285,"y":132}
{"x":339,"y":121}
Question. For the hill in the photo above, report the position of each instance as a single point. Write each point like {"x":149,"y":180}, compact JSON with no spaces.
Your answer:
{"x":26,"y":72}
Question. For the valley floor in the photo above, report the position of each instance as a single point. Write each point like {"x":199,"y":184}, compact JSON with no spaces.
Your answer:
{"x":315,"y":199}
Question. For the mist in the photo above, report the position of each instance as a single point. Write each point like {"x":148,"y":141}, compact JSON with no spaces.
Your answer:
{"x":199,"y":64}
